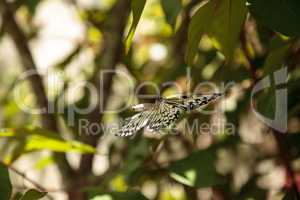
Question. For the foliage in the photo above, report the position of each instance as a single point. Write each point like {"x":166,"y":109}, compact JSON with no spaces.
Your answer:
{"x":73,"y":46}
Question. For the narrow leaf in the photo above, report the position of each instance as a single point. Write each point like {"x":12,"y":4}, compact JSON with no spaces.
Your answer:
{"x":226,"y":25}
{"x":198,"y":25}
{"x":193,"y":172}
{"x":171,"y":9}
{"x":39,"y":139}
{"x":137,"y":7}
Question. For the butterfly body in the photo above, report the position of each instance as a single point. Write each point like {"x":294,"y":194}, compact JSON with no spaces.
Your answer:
{"x":163,"y":113}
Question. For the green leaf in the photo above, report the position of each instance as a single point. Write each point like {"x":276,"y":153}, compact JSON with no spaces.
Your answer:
{"x":33,"y":195}
{"x":44,"y":162}
{"x":138,"y":150}
{"x":137,"y":7}
{"x":40,"y":139}
{"x":197,"y":27}
{"x":197,"y":169}
{"x":171,"y":9}
{"x":226,"y":25}
{"x":129,"y":195}
{"x":280,"y":15}
{"x":266,"y":102}
{"x":5,"y":184}
{"x":278,"y":53}
{"x":226,"y":18}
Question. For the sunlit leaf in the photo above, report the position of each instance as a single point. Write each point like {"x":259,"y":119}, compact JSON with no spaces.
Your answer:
{"x":118,"y":183}
{"x":226,"y":24}
{"x":280,"y":15}
{"x":44,"y":162}
{"x":5,"y":184}
{"x":137,"y":7}
{"x":198,"y":25}
{"x":40,"y":139}
{"x":197,"y":169}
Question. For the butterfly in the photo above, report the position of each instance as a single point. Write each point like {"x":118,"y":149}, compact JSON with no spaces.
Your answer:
{"x":163,"y":113}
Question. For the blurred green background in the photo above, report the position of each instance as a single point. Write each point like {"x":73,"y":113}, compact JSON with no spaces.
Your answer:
{"x":63,"y":43}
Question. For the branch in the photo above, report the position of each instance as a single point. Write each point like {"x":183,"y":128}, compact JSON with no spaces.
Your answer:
{"x":23,"y":175}
{"x":48,"y":119}
{"x":12,"y":28}
{"x":110,"y":56}
{"x":33,"y":182}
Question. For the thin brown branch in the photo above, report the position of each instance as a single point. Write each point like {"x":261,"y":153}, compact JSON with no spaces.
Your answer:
{"x":15,"y":32}
{"x":12,"y":28}
{"x":37,"y":185}
{"x":107,"y":60}
{"x":24,"y":176}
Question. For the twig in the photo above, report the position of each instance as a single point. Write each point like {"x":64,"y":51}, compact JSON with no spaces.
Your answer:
{"x":33,"y":182}
{"x":23,"y":175}
{"x":107,"y":60}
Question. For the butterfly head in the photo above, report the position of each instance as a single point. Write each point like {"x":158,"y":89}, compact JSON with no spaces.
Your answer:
{"x":217,"y":95}
{"x":212,"y":96}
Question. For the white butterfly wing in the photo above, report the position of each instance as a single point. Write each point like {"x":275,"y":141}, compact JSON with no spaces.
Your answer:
{"x":163,"y":113}
{"x":133,"y":124}
{"x":164,"y":117}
